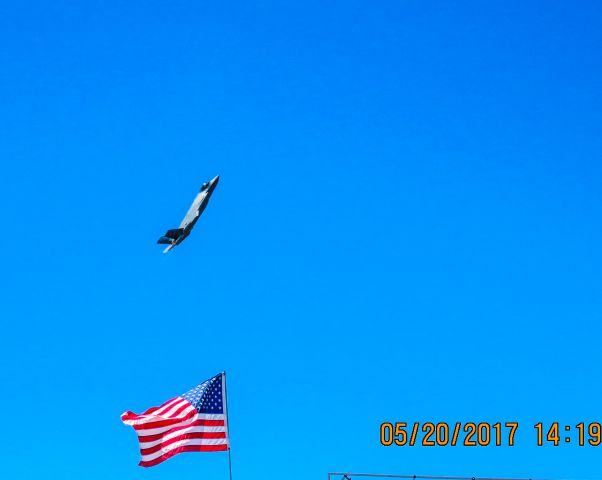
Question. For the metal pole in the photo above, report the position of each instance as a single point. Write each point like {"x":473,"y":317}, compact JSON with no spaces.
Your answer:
{"x":229,"y":462}
{"x":227,"y":424}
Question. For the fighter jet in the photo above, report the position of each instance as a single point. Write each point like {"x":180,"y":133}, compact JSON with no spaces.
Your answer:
{"x":177,"y":235}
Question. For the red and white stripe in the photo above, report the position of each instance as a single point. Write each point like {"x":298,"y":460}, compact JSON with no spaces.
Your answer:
{"x":175,"y":427}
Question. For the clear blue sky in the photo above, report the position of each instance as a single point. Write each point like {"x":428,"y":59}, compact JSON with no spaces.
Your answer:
{"x":407,"y":228}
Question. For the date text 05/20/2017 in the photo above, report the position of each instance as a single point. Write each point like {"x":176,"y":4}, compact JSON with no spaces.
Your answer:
{"x":483,"y":434}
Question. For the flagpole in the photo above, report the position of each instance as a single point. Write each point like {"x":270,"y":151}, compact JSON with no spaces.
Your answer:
{"x":227,"y":424}
{"x":230,"y":462}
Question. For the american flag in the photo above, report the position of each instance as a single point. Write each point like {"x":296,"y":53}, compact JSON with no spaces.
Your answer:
{"x":193,"y":422}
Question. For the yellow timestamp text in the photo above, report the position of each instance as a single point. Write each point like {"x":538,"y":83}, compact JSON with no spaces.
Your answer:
{"x":483,"y":434}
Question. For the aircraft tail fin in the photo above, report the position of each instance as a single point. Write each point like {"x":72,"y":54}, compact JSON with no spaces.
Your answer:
{"x":170,"y":236}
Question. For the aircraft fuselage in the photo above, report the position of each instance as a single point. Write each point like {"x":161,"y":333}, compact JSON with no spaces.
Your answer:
{"x":176,"y":236}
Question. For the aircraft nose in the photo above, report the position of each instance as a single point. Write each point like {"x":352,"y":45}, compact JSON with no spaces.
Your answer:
{"x":215,"y":179}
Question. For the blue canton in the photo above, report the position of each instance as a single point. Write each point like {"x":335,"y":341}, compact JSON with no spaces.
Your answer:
{"x":207,"y":397}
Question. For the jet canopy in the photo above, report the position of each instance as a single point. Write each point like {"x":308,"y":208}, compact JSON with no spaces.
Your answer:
{"x":205,"y":186}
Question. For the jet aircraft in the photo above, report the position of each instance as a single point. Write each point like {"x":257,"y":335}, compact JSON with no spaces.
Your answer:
{"x":176,"y":236}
